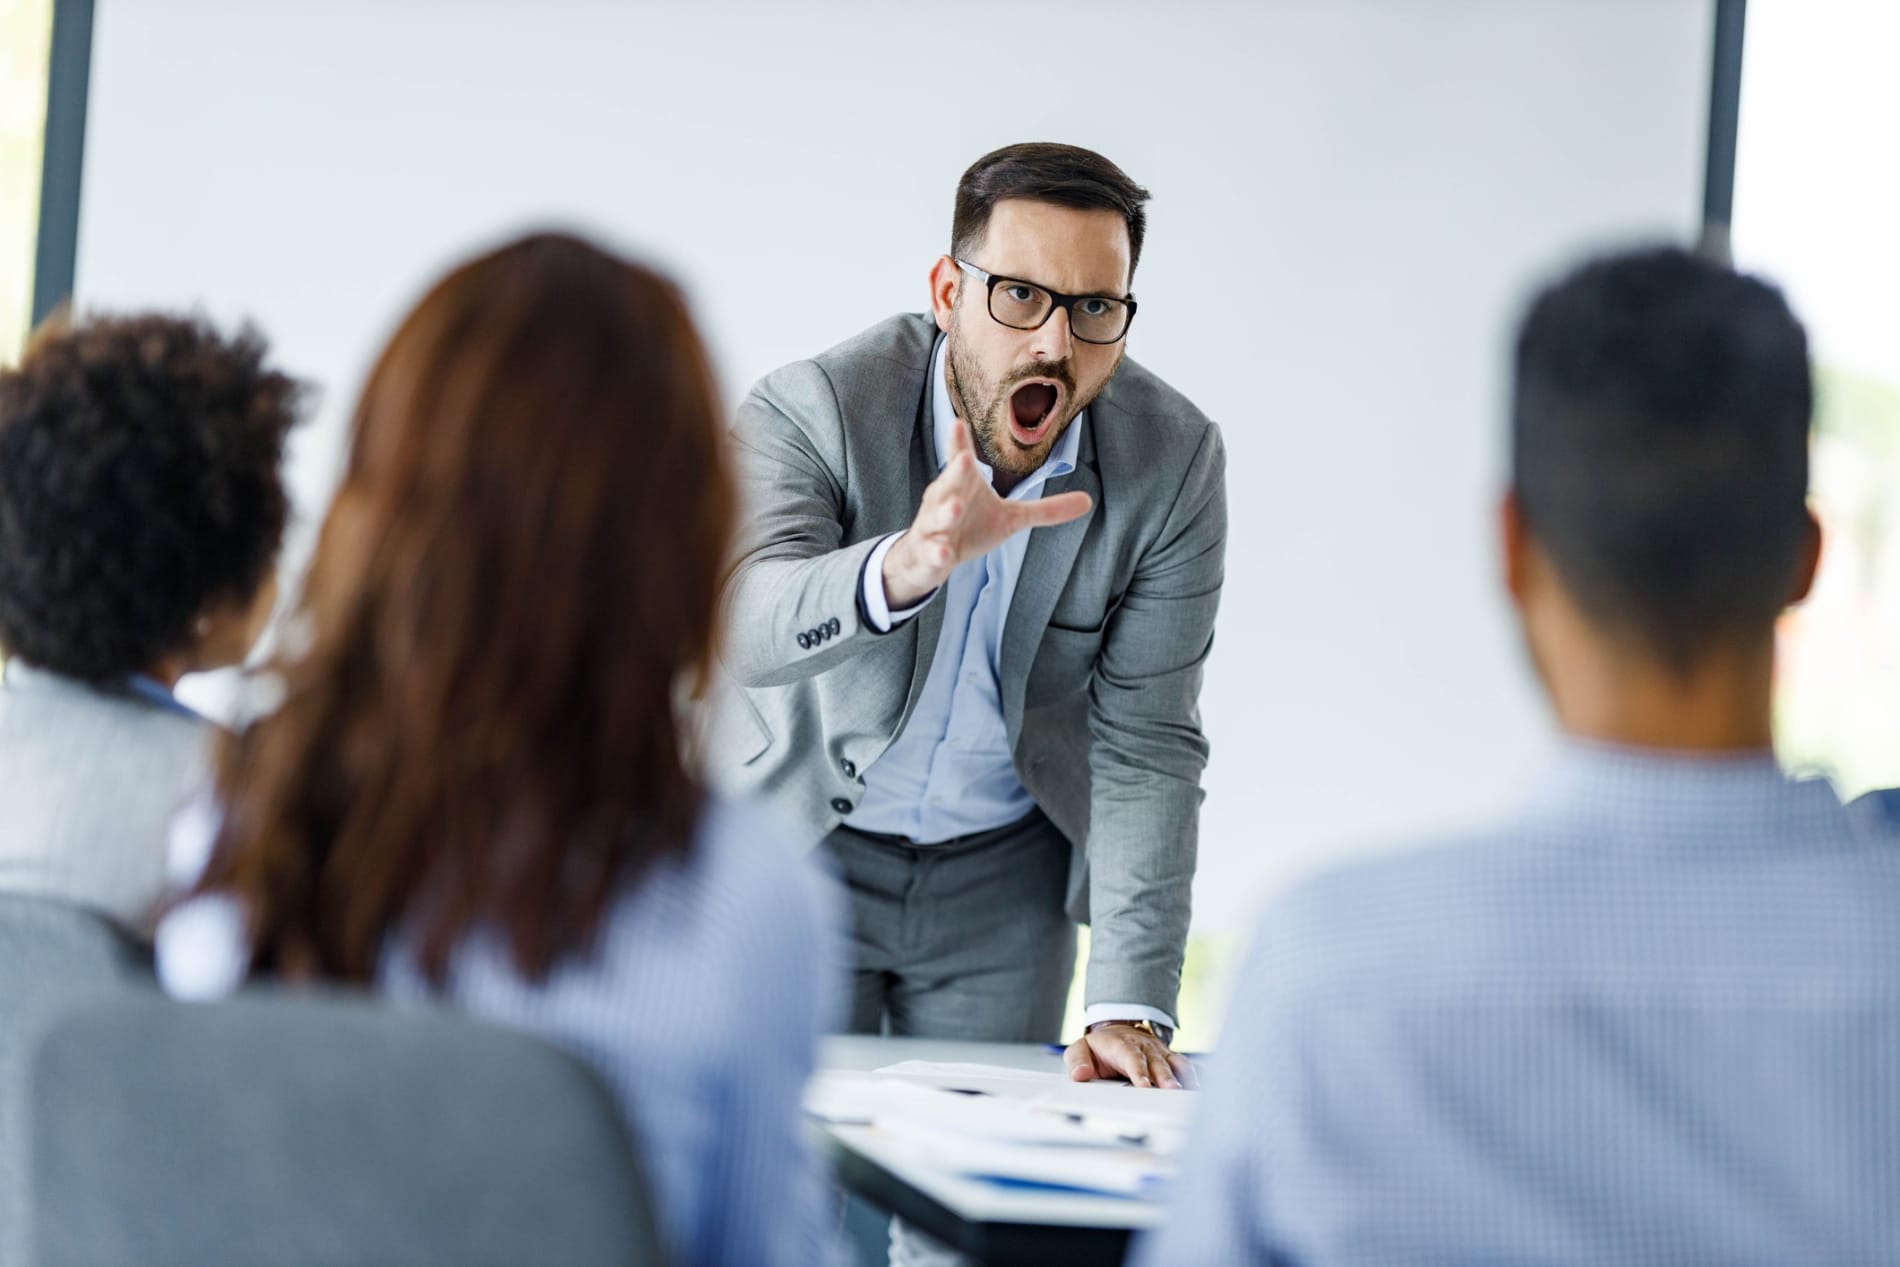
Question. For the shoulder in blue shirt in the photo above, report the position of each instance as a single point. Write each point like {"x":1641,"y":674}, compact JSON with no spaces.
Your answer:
{"x":1653,"y":1018}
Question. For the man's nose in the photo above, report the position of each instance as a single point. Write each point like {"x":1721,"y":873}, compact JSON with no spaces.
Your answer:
{"x":1052,"y":341}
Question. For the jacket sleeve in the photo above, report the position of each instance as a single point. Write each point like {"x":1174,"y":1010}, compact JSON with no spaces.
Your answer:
{"x":1148,"y":752}
{"x":792,"y":599}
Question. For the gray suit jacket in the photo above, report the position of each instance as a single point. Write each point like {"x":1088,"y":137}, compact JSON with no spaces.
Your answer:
{"x":1111,"y":622}
{"x":89,"y":780}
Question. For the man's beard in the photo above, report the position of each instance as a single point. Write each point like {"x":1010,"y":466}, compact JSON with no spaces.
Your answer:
{"x":985,"y":406}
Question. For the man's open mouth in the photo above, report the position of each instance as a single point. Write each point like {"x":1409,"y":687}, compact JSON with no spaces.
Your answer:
{"x":1032,"y":409}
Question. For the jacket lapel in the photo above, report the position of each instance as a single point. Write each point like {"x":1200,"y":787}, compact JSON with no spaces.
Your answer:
{"x":928,"y":623}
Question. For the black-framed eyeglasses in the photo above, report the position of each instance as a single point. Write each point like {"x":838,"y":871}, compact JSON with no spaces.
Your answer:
{"x":1022,"y":305}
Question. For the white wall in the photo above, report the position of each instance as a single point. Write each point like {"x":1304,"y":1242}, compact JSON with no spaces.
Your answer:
{"x":1350,"y":197}
{"x":1816,"y":191}
{"x":1816,"y":202}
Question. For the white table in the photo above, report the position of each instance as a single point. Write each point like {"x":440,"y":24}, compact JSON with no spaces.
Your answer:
{"x":992,"y":1223}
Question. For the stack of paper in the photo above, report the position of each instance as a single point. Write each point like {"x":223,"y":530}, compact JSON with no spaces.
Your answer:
{"x":1091,"y":1166}
{"x":1038,"y":1140}
{"x":943,"y":1071}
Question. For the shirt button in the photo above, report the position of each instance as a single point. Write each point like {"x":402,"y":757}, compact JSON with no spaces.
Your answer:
{"x":850,"y":770}
{"x":841,"y":805}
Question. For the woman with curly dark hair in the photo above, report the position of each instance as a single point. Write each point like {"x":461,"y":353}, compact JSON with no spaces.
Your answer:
{"x":141,"y":508}
{"x":479,"y":788}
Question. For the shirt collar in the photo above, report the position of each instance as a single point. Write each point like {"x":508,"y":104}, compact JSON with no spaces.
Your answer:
{"x":1613,"y":792}
{"x":1061,"y":459}
{"x":151,"y":690}
{"x":18,"y":675}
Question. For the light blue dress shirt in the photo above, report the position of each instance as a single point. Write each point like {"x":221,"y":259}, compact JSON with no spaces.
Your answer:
{"x":951,"y":772}
{"x":1655,"y":1018}
{"x":700,"y":1007}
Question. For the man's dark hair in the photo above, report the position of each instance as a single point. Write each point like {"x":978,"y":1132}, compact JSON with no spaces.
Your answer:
{"x":1660,"y":447}
{"x":139,"y":483}
{"x":1044,"y":171}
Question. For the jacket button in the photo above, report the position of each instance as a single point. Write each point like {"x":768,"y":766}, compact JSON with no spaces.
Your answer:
{"x":841,"y":805}
{"x":804,"y":642}
{"x":850,"y":770}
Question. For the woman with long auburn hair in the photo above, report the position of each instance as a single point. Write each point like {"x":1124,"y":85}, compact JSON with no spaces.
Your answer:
{"x":480,"y":789}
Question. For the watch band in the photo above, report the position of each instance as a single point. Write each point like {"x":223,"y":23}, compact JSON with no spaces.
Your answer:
{"x":1163,"y":1032}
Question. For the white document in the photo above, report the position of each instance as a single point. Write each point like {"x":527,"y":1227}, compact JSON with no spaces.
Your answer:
{"x":953,"y":1069}
{"x":860,"y":1099}
{"x":1117,"y":1170}
{"x":855,"y":1099}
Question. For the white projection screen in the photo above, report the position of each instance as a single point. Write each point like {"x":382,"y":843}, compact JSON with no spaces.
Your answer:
{"x":1351,"y":198}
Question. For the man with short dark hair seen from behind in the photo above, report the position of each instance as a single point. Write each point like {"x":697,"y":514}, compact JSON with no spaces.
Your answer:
{"x":975,"y":590}
{"x":1653,"y":1016}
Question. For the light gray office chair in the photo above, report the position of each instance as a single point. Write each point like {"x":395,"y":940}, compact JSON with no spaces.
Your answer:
{"x":303,"y":1129}
{"x":53,"y":955}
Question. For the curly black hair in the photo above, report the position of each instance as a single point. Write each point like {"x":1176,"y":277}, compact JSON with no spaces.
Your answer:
{"x":140,"y":483}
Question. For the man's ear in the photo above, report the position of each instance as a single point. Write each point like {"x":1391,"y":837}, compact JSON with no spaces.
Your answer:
{"x":1808,"y":561}
{"x":1513,"y":546}
{"x":945,"y":278}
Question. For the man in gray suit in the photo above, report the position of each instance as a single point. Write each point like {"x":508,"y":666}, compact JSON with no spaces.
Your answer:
{"x":975,"y":590}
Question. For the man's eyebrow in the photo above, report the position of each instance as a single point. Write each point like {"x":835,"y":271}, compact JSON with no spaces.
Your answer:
{"x":1109,"y":293}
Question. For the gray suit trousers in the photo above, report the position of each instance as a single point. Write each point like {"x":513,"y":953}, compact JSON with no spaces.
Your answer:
{"x":967,"y":939}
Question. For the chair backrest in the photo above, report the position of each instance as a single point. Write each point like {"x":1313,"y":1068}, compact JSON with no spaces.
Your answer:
{"x":53,"y":955}
{"x":298,"y":1128}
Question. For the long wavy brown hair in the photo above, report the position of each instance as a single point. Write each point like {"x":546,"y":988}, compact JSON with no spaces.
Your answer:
{"x":514,"y":588}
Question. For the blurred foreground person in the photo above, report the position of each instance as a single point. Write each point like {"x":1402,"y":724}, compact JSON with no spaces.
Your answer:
{"x":479,"y":789}
{"x":141,"y":509}
{"x":1653,"y":1017}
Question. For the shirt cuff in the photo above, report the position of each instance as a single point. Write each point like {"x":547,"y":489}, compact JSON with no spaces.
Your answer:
{"x":877,"y":609}
{"x":1125,"y":1012}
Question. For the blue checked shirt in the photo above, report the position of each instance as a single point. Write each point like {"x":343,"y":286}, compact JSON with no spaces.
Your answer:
{"x":1878,"y":812}
{"x":1653,"y":1018}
